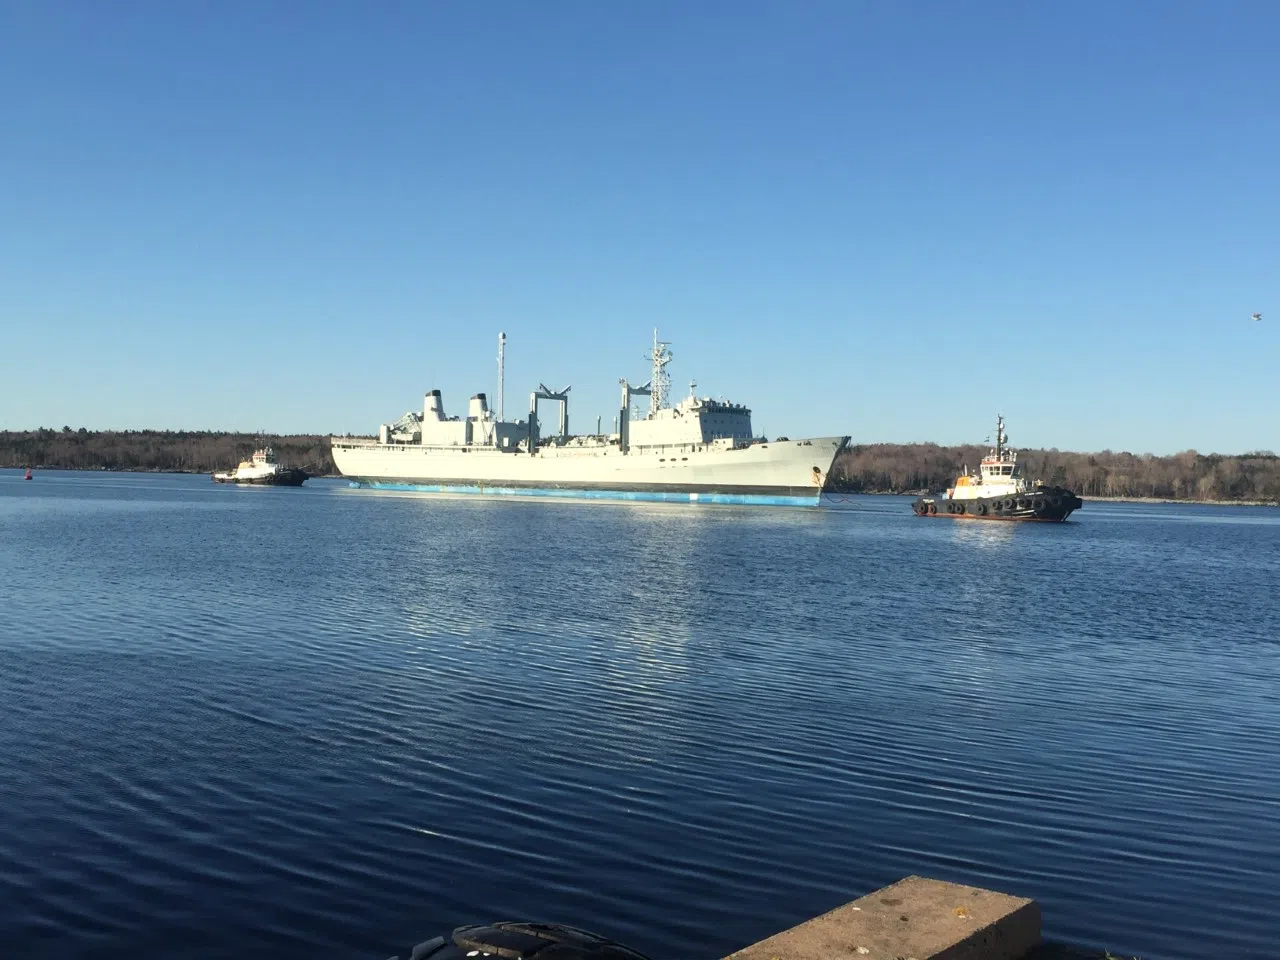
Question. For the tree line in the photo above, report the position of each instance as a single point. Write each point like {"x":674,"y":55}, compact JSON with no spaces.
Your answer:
{"x":927,"y":467}
{"x":866,"y":468}
{"x":165,"y":451}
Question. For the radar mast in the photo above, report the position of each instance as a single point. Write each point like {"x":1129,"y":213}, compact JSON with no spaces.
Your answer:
{"x":660,"y":383}
{"x":502,"y":372}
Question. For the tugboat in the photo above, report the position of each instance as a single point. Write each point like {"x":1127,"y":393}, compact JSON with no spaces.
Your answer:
{"x":1000,"y":492}
{"x":262,"y":469}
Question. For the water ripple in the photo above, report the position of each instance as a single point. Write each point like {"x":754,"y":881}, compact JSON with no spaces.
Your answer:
{"x":317,"y":722}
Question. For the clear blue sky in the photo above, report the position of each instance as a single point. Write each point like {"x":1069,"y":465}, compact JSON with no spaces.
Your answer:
{"x":890,"y":220}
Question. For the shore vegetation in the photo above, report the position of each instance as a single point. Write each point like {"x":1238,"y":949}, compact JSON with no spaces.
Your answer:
{"x":160,"y":451}
{"x":927,"y":467}
{"x":863,"y":468}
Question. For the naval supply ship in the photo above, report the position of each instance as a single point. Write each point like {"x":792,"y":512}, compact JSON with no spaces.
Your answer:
{"x":698,"y":450}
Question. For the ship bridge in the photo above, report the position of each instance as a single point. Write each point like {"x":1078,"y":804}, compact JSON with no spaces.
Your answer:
{"x":694,"y":421}
{"x":1001,"y":464}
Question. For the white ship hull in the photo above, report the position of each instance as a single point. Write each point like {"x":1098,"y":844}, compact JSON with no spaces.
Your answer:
{"x":786,"y":472}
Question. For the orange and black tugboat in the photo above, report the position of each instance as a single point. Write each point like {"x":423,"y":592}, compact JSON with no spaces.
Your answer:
{"x":999,"y":492}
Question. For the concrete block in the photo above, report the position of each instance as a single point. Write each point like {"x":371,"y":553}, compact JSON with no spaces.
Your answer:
{"x":913,"y":919}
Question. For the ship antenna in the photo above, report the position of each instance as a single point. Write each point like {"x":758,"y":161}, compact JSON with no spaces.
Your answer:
{"x":661,"y":382}
{"x":502,"y":371}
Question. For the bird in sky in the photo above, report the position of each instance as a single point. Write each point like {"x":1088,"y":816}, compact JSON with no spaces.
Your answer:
{"x":1257,"y":316}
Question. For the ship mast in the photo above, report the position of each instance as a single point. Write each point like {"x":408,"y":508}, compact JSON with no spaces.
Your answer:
{"x":660,"y":383}
{"x":502,"y":373}
{"x":1001,"y":437}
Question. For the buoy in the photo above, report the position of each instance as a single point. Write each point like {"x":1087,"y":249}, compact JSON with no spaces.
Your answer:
{"x":28,"y":476}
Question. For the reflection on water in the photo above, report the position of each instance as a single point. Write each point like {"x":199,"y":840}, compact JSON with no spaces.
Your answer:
{"x":331,"y":722}
{"x":986,"y":534}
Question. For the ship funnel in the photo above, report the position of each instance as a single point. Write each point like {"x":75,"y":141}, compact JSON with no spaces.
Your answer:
{"x":479,"y":408}
{"x":432,"y":406}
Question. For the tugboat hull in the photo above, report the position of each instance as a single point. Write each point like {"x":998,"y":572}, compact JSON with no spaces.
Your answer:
{"x":282,"y":478}
{"x":1046,"y":505}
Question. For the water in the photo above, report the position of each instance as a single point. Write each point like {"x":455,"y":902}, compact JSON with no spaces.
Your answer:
{"x":326,"y":722}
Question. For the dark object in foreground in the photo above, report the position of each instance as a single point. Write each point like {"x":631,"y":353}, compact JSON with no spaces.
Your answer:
{"x":518,"y":940}
{"x":915,"y":917}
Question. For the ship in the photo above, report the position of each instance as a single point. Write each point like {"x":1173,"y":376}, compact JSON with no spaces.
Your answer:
{"x":1000,"y":491}
{"x":262,"y":469}
{"x":698,"y":450}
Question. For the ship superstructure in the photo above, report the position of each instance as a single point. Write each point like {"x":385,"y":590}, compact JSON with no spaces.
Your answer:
{"x":698,"y":450}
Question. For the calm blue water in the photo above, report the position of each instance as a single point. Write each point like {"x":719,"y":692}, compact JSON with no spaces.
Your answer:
{"x":328,"y":722}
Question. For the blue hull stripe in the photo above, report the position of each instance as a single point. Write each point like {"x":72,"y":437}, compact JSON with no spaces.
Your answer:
{"x":662,"y":496}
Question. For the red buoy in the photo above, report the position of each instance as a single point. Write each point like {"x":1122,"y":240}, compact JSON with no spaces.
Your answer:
{"x":28,"y":476}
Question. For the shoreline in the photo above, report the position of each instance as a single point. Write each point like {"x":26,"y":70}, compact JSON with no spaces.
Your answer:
{"x":1087,"y":500}
{"x":35,"y":468}
{"x":846,"y":493}
{"x":1207,"y":503}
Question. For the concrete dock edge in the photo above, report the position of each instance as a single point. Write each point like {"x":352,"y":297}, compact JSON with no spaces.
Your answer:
{"x":913,"y":919}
